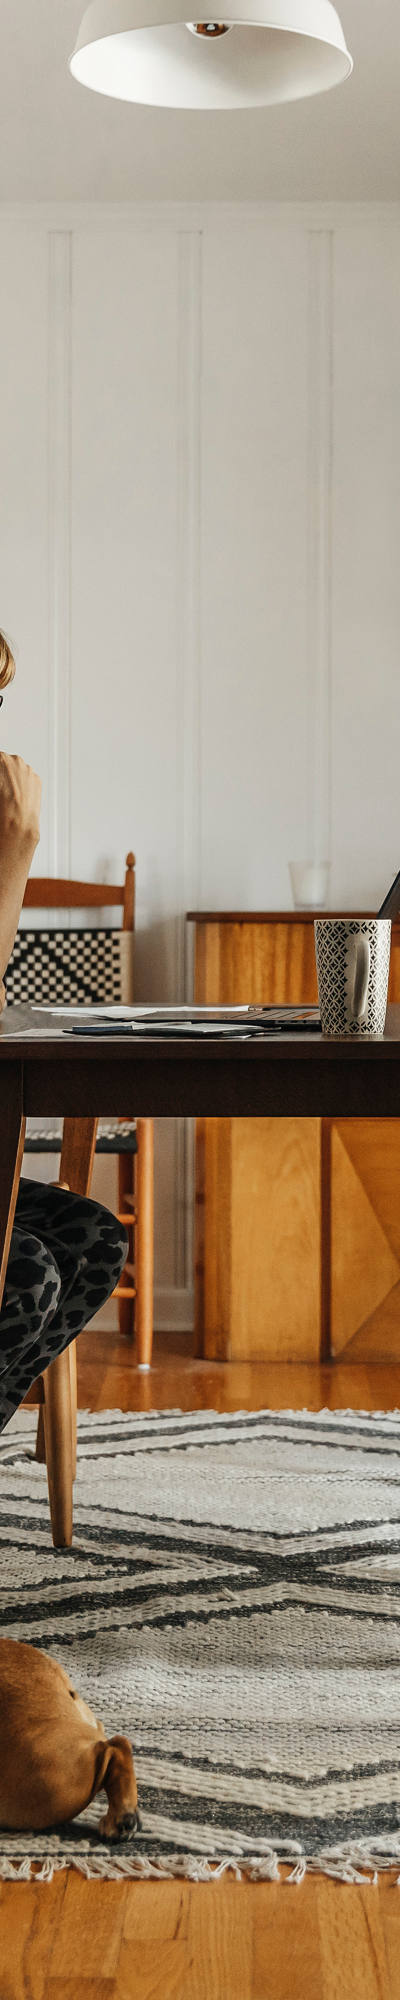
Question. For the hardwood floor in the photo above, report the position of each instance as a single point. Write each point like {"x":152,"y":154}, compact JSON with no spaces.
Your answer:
{"x":78,"y":1940}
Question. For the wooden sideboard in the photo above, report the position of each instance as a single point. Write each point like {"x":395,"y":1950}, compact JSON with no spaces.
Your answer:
{"x":297,"y":1220}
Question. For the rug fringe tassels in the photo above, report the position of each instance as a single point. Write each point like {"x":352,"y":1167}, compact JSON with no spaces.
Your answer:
{"x":353,"y":1864}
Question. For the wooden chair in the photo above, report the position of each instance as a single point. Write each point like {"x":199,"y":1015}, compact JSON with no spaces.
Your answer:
{"x":63,"y":965}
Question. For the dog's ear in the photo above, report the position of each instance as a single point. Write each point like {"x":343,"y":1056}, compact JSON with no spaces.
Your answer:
{"x":117,"y":1752}
{"x":102,"y":1759}
{"x":115,"y":1771}
{"x":120,"y":1777}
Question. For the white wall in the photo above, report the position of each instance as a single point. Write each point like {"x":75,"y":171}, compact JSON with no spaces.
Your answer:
{"x":199,"y":536}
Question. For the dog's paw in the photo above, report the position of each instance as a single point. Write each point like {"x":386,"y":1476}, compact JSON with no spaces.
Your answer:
{"x":123,"y":1829}
{"x":129,"y":1824}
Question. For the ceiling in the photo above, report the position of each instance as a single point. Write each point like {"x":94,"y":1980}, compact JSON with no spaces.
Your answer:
{"x":59,"y":142}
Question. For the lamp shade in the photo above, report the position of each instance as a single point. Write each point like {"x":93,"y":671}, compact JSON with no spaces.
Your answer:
{"x":262,"y":52}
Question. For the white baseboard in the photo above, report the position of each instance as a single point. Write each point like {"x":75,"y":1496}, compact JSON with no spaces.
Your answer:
{"x":173,"y":1311}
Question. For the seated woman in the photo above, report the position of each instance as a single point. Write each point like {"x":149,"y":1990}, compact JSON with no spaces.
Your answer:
{"x":66,"y":1253}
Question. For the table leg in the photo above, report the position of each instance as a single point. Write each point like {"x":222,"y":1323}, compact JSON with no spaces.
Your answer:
{"x":144,"y":1245}
{"x":77,"y":1153}
{"x":12,"y":1135}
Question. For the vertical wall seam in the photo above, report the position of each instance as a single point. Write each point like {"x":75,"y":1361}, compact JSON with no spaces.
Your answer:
{"x":320,"y":410}
{"x":59,"y":549}
{"x":188,"y":690}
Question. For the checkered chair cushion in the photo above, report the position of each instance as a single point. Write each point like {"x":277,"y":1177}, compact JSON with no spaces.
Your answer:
{"x":73,"y":967}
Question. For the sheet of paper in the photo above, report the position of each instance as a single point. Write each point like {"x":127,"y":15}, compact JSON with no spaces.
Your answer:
{"x":175,"y":1012}
{"x":151,"y":1012}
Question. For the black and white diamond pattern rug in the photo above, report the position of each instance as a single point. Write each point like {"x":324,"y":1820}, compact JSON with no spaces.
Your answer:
{"x":232,"y":1603}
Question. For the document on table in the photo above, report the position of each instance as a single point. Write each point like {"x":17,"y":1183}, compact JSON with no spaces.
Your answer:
{"x":146,"y":1012}
{"x":185,"y":1022}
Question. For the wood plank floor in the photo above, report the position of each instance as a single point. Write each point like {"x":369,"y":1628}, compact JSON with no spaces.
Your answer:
{"x":77,"y":1940}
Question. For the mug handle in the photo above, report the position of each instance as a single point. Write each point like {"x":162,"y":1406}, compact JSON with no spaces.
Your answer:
{"x":361,"y":977}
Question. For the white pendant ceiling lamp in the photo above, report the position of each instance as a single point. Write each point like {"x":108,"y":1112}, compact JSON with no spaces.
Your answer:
{"x":263,"y":52}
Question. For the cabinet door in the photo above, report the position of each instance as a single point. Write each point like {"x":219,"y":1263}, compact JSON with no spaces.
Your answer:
{"x":259,"y":1277}
{"x":365,"y":1226}
{"x":365,"y":1243}
{"x":257,"y":1261}
{"x":274,"y":1231}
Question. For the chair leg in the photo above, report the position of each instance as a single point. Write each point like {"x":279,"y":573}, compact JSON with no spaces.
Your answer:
{"x":72,"y":1351}
{"x":60,"y":1385}
{"x":58,"y":1435}
{"x":144,"y":1248}
{"x":40,"y":1448}
{"x":126,"y":1204}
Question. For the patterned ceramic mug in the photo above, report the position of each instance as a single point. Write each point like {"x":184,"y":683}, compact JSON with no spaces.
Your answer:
{"x":353,"y":970}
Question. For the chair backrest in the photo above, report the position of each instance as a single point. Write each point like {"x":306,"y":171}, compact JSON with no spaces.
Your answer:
{"x":78,"y":967}
{"x":50,"y":892}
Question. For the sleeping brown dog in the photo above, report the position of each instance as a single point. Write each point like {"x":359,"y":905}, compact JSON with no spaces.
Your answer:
{"x":54,"y":1756}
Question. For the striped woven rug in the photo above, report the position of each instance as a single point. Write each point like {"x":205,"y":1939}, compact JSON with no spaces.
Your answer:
{"x":232,"y":1603}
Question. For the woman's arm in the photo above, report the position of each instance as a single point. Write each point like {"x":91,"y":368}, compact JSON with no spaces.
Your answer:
{"x":20,"y":792}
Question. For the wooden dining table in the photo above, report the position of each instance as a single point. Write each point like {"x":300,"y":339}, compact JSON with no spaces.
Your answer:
{"x":44,"y":1070}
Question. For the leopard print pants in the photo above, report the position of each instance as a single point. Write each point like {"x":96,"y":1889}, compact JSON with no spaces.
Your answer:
{"x":66,"y":1256}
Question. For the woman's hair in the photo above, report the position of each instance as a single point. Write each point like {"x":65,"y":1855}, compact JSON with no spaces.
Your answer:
{"x":7,"y":662}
